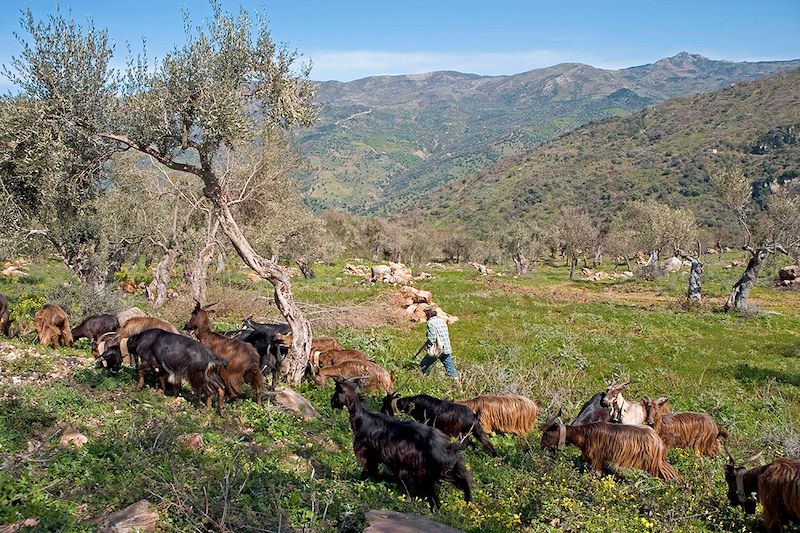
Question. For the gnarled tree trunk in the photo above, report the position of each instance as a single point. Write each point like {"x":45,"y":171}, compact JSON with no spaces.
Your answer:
{"x":520,"y":263}
{"x":157,"y":290}
{"x":694,"y":293}
{"x":198,"y":277}
{"x":740,"y":293}
{"x":307,"y":271}
{"x":294,"y":365}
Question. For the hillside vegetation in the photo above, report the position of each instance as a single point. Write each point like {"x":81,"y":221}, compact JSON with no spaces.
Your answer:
{"x":386,"y":137}
{"x":260,"y":468}
{"x":667,"y":152}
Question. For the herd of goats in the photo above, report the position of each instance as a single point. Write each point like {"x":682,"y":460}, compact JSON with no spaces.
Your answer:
{"x":610,"y":431}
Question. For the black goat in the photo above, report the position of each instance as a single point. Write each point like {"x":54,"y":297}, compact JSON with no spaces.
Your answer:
{"x":262,"y":336}
{"x":94,"y":326}
{"x":269,"y":352}
{"x":174,"y":357}
{"x":419,"y":456}
{"x":453,"y":419}
{"x":597,"y":409}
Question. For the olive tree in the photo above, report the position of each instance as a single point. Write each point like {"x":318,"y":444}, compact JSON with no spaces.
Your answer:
{"x":660,"y":228}
{"x":734,"y":189}
{"x":576,"y":234}
{"x":52,"y":175}
{"x":228,"y":83}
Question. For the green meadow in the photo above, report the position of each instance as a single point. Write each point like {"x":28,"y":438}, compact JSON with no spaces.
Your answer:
{"x":262,"y":469}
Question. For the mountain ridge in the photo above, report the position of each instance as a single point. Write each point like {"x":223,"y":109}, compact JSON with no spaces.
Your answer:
{"x":387,"y":137}
{"x":665,"y":152}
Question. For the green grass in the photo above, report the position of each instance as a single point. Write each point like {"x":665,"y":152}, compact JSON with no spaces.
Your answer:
{"x":261,"y":468}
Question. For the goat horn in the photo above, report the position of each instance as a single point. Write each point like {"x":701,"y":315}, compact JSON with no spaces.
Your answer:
{"x":730,"y":456}
{"x":753,"y":458}
{"x":209,"y":306}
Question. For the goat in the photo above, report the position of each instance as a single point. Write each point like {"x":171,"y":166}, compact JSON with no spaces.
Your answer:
{"x":174,"y":357}
{"x":453,"y":419}
{"x":623,"y":411}
{"x":95,"y":326}
{"x":617,"y":445}
{"x":52,"y":326}
{"x":320,"y":347}
{"x":243,"y":359}
{"x":335,"y":357}
{"x":375,"y":377}
{"x":776,"y":485}
{"x":131,"y":327}
{"x":594,"y":410}
{"x":505,"y":414}
{"x":684,"y":430}
{"x":419,"y":456}
{"x":268,"y":353}
{"x":5,"y":316}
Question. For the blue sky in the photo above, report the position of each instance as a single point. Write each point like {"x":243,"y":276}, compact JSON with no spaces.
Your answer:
{"x":350,"y":39}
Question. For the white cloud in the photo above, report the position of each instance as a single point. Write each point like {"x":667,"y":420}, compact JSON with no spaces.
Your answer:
{"x":347,"y":65}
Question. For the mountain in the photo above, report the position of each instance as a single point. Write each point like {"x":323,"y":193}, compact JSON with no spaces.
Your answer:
{"x":666,"y":152}
{"x":383,"y":141}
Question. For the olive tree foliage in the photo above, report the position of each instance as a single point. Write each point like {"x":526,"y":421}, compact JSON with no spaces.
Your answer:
{"x":776,"y":231}
{"x":658,"y":229}
{"x":227,"y":84}
{"x":576,"y":235}
{"x":52,"y":174}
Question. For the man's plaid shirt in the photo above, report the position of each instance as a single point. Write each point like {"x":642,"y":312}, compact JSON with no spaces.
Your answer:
{"x":437,"y":328}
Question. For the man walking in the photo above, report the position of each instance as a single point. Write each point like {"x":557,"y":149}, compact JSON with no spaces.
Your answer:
{"x":437,"y":344}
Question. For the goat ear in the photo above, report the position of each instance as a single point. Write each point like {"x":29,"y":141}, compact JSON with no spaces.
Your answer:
{"x":560,"y":410}
{"x":662,"y":400}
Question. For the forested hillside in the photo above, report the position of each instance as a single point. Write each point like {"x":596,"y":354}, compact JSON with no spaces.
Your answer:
{"x":383,"y":138}
{"x":666,"y":152}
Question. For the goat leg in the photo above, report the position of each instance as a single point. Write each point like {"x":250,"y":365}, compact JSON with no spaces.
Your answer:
{"x":140,"y":383}
{"x":220,"y":399}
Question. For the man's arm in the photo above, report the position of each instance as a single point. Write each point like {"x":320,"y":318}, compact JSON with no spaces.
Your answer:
{"x":430,"y":333}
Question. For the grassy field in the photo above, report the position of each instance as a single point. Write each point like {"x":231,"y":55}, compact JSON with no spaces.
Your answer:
{"x":261,"y":469}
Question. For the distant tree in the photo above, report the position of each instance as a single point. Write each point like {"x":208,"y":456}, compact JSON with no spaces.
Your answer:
{"x":228,"y":83}
{"x":576,"y":233}
{"x":457,"y":244}
{"x":658,"y":229}
{"x":622,"y":241}
{"x":735,"y":191}
{"x":524,"y":241}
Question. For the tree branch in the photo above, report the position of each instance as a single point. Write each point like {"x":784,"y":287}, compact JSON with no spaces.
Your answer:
{"x":166,"y":161}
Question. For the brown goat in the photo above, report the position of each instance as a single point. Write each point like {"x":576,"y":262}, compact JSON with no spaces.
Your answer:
{"x":130,"y":328}
{"x":374,"y":377}
{"x":335,"y":357}
{"x":513,"y":414}
{"x":320,"y":346}
{"x":243,"y":359}
{"x":5,"y":316}
{"x":684,"y":430}
{"x":776,"y":486}
{"x":617,"y":445}
{"x":52,"y":326}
